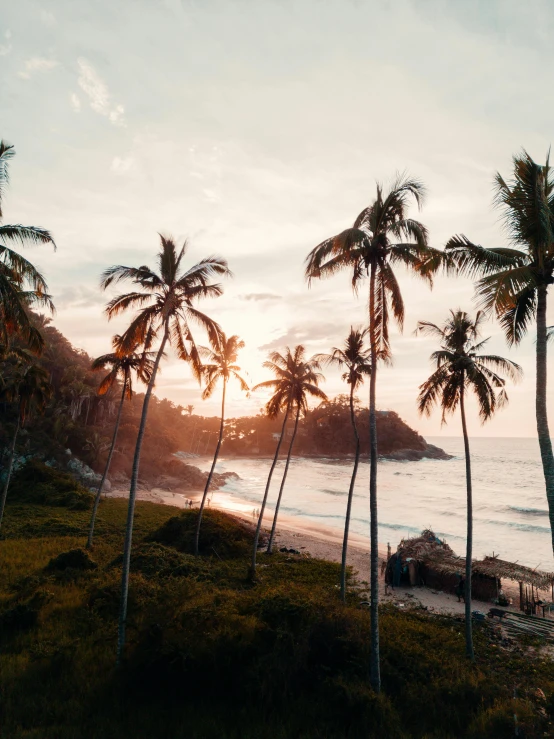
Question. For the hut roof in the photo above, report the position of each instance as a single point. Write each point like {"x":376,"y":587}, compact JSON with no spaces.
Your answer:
{"x":502,"y":569}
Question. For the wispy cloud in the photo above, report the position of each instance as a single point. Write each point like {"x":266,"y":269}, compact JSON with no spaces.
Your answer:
{"x":75,"y":102}
{"x":98,"y":94}
{"x":258,"y":297}
{"x":37,"y":64}
{"x":123,"y":165}
{"x":48,"y":18}
{"x":6,"y":47}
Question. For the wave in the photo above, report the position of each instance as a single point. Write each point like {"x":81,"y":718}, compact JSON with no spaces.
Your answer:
{"x":528,"y":511}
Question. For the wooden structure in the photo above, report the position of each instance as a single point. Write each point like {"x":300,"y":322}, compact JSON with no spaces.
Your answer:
{"x":428,"y":560}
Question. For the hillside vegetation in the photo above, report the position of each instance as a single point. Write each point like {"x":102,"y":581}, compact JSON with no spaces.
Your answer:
{"x":211,"y":656}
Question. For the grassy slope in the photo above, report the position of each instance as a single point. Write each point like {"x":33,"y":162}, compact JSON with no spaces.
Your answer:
{"x":211,"y":656}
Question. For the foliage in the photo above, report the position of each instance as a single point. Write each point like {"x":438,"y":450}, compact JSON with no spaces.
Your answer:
{"x":74,"y":559}
{"x":202,"y":639}
{"x":36,"y":482}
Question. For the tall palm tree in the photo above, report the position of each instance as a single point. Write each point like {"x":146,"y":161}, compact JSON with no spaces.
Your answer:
{"x":121,"y":364}
{"x":354,"y":358}
{"x":296,"y":379}
{"x":461,"y":369}
{"x":382,"y":236}
{"x":221,"y":366}
{"x":29,"y":388}
{"x":21,"y":284}
{"x":514,"y":281}
{"x":164,"y":300}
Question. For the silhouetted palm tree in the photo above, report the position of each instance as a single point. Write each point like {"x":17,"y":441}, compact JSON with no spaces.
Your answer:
{"x":122,"y":364}
{"x":29,"y":388}
{"x":462,"y":369}
{"x":354,"y":358}
{"x":221,"y":366}
{"x":21,"y":284}
{"x":514,"y":281}
{"x":382,"y":236}
{"x":296,"y":379}
{"x":164,"y":300}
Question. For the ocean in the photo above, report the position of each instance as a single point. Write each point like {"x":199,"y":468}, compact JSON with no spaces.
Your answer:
{"x":509,"y":502}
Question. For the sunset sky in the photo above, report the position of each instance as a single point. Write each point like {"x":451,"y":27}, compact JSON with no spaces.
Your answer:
{"x":257,"y":129}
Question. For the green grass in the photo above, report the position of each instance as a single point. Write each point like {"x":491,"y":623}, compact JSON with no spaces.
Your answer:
{"x":212,"y":655}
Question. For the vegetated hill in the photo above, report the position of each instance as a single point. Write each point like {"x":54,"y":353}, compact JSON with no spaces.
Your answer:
{"x":210,"y":656}
{"x":80,"y":420}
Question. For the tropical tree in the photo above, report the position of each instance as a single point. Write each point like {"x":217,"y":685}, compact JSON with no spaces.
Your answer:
{"x":122,"y":365}
{"x":355,"y":360}
{"x":221,"y":365}
{"x":21,"y":284}
{"x":28,"y":387}
{"x":381,"y":237}
{"x":462,"y":369}
{"x":164,"y":300}
{"x":514,"y":281}
{"x":189,"y":409}
{"x":296,"y":379}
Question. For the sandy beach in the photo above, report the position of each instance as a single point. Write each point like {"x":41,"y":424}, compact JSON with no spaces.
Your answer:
{"x":324,"y":543}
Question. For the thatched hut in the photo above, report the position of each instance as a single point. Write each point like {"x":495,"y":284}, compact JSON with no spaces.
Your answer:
{"x":430,"y":561}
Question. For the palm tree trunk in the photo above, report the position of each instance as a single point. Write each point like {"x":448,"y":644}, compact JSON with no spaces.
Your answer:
{"x":264,"y":501}
{"x":132,"y":496}
{"x":375,"y":667}
{"x":208,"y":481}
{"x":350,"y":497}
{"x":107,"y":467}
{"x":543,"y":432}
{"x":274,"y":526}
{"x":10,"y":467}
{"x":469,"y":541}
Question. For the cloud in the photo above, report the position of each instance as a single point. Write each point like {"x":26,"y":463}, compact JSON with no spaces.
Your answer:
{"x":309,"y":333}
{"x":37,"y":64}
{"x":75,"y":102}
{"x":258,"y":297}
{"x":7,"y":47}
{"x":48,"y":18}
{"x":98,"y":94}
{"x":122,"y":166}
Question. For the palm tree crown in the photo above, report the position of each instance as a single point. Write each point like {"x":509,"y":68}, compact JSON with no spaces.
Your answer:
{"x":165,"y":299}
{"x":461,"y":367}
{"x":353,"y":358}
{"x":296,"y":379}
{"x":121,"y":365}
{"x":511,"y":276}
{"x":21,"y":284}
{"x":221,"y":363}
{"x":382,"y":235}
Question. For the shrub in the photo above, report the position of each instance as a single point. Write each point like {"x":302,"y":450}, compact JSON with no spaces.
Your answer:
{"x":74,"y":559}
{"x":221,"y":534}
{"x":36,"y":482}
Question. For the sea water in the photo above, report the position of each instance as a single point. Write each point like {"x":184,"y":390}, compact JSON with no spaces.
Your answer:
{"x":510,"y":514}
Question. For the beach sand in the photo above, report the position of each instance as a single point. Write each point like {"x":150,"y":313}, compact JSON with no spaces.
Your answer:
{"x":324,"y":542}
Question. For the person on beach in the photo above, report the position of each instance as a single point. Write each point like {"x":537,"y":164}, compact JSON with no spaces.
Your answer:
{"x":461,"y":590}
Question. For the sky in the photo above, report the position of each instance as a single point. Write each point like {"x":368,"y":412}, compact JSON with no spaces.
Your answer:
{"x":256,"y":129}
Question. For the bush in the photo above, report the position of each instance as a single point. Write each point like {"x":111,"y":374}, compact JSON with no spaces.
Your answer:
{"x":74,"y":559}
{"x":221,"y":534}
{"x":36,"y":482}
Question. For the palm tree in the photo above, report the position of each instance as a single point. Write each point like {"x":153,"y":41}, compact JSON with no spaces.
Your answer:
{"x":21,"y":284}
{"x":382,"y":236}
{"x":189,"y":409}
{"x":30,"y":389}
{"x":164,"y":300}
{"x":221,"y":366}
{"x":514,"y":281}
{"x":461,"y":369}
{"x":296,"y":378}
{"x":354,"y":358}
{"x":122,"y":364}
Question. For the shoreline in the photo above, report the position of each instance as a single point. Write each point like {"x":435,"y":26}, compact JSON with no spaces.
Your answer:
{"x":323,"y":542}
